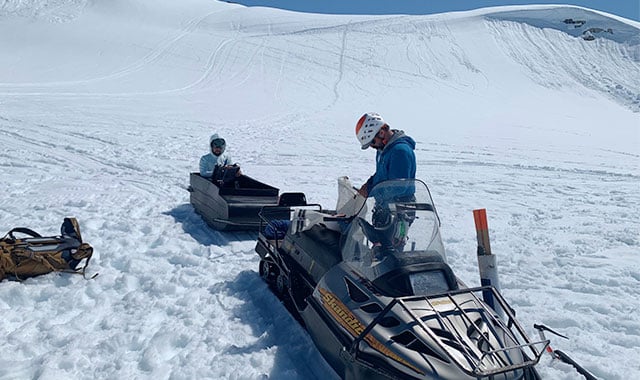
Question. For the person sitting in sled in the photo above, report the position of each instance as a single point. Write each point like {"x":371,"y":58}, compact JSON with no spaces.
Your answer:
{"x":217,"y":161}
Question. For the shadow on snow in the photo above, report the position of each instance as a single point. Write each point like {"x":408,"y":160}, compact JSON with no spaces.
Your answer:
{"x":296,"y":356}
{"x":195,"y":226}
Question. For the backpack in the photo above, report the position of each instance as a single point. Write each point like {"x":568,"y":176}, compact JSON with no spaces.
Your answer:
{"x":35,"y":255}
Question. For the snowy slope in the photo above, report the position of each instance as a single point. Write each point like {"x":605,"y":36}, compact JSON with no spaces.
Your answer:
{"x":105,"y":107}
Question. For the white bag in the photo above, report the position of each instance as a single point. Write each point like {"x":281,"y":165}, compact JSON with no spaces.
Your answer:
{"x":350,"y":202}
{"x":304,"y":219}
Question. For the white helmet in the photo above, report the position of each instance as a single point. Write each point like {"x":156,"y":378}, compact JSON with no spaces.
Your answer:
{"x":368,"y":127}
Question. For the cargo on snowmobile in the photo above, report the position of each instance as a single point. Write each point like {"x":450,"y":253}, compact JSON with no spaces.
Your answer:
{"x":376,"y":295}
{"x":230,"y":202}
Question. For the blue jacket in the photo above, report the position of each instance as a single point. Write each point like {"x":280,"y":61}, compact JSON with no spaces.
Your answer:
{"x":396,"y":160}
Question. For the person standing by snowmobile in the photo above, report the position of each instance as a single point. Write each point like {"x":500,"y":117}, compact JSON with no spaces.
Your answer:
{"x":217,"y":159}
{"x":395,"y":157}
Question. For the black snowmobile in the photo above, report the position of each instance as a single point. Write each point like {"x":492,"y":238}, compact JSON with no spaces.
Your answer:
{"x":378,"y":298}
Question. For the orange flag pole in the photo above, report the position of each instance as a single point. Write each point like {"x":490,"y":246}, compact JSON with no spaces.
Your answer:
{"x":487,"y":263}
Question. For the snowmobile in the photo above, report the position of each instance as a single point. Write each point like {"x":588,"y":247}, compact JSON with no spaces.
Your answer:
{"x":374,"y":291}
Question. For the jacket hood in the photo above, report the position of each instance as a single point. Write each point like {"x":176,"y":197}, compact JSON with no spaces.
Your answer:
{"x":399,"y":137}
{"x":214,"y":137}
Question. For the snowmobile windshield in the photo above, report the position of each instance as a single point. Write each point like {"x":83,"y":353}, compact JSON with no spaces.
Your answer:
{"x":397,"y":227}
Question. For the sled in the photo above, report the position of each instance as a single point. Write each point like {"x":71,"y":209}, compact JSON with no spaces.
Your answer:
{"x":232,"y":204}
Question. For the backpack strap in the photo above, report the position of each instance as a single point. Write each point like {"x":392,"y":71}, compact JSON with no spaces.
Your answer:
{"x":85,"y":251}
{"x":23,"y":230}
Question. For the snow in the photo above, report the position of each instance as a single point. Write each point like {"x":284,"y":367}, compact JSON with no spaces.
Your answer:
{"x":105,"y":107}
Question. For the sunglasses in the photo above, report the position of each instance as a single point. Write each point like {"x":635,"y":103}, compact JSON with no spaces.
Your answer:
{"x":217,"y":143}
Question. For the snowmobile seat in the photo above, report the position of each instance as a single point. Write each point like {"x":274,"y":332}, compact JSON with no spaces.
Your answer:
{"x":317,"y":244}
{"x":326,"y":237}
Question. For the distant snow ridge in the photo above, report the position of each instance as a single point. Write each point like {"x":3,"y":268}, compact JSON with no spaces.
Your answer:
{"x":599,"y":52}
{"x":51,"y":10}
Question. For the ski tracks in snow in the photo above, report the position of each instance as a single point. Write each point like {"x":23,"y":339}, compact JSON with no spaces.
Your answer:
{"x":601,"y":65}
{"x":162,"y":53}
{"x":175,"y":299}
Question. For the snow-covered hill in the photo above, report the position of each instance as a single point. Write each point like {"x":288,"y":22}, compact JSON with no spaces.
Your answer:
{"x":105,"y":107}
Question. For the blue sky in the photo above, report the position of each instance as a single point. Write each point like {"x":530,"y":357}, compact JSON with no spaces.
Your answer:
{"x":626,"y":8}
